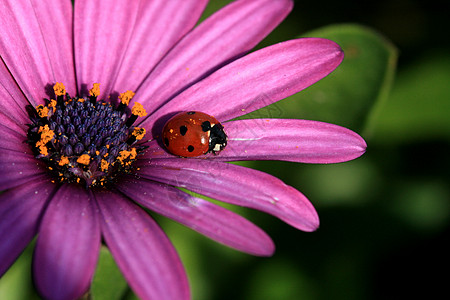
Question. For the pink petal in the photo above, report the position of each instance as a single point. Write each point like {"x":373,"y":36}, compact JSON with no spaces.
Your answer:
{"x":292,"y":140}
{"x":36,"y":44}
{"x":13,"y":135}
{"x":205,"y":217}
{"x":102,"y":31}
{"x":68,"y":244}
{"x":236,"y":185}
{"x":281,"y":139}
{"x":257,"y":80}
{"x":13,"y":102}
{"x":17,"y":168}
{"x":159,"y":25}
{"x":20,"y":209}
{"x":142,"y":251}
{"x":55,"y":22}
{"x":229,"y":33}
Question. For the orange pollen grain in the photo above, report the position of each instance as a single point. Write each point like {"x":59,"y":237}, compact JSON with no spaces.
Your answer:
{"x":43,"y":150}
{"x":138,"y":110}
{"x":84,"y":159}
{"x":124,"y":154}
{"x":46,"y":134}
{"x":59,"y":89}
{"x":64,"y":161}
{"x":126,"y":97}
{"x":133,"y":153}
{"x":42,"y":111}
{"x":139,"y":133}
{"x":104,"y":165}
{"x":95,"y":91}
{"x":52,"y":104}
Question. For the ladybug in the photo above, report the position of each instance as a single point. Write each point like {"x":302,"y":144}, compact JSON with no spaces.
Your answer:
{"x":193,"y":133}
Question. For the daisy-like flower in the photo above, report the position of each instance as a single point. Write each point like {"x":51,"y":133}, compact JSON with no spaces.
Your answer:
{"x":85,"y":91}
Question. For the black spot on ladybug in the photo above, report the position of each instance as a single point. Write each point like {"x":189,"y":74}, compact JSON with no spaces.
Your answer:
{"x":191,"y":112}
{"x":166,"y":142}
{"x":183,"y":130}
{"x":206,"y":126}
{"x":190,"y":148}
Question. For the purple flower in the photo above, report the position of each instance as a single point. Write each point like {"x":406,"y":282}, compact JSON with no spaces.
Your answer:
{"x":85,"y":168}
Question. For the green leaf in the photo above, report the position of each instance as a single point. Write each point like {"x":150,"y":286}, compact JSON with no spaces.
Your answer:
{"x":16,"y":283}
{"x":108,"y":282}
{"x":350,"y":96}
{"x":419,"y":106}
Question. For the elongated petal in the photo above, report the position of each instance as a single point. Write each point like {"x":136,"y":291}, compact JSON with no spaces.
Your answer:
{"x":257,"y":80}
{"x":68,"y":245}
{"x":17,"y":168}
{"x":55,"y":22}
{"x":20,"y":210}
{"x":142,"y":251}
{"x":292,"y":140}
{"x":159,"y":25}
{"x":13,"y":102}
{"x":229,"y":33}
{"x":13,"y":136}
{"x":36,"y":44}
{"x":205,"y":217}
{"x":237,"y":185}
{"x":17,"y":163}
{"x":102,"y":31}
{"x":281,"y":139}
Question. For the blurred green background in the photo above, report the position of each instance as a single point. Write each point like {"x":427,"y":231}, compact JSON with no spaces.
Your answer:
{"x":385,"y":216}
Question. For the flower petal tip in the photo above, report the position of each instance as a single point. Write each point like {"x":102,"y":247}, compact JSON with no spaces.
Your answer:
{"x":339,"y":52}
{"x":360,"y":147}
{"x":266,"y":250}
{"x":314,"y":223}
{"x":332,"y":51}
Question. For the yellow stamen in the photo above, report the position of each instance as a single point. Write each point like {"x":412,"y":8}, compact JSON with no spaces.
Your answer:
{"x":126,"y":97}
{"x":104,"y":165}
{"x":52,"y":104}
{"x":123,"y":155}
{"x":42,"y":111}
{"x":46,"y":134}
{"x":84,"y":159}
{"x":138,"y":110}
{"x":43,"y":150}
{"x":64,"y":161}
{"x":59,"y":89}
{"x":139,"y":133}
{"x":127,"y":155}
{"x":133,"y":153}
{"x":95,"y":91}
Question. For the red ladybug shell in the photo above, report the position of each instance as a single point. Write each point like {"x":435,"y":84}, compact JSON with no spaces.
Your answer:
{"x":193,"y":133}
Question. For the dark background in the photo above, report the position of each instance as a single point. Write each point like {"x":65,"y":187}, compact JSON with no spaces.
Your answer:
{"x":385,"y":216}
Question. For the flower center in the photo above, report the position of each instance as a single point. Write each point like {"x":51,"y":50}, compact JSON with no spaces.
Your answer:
{"x":84,"y":140}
